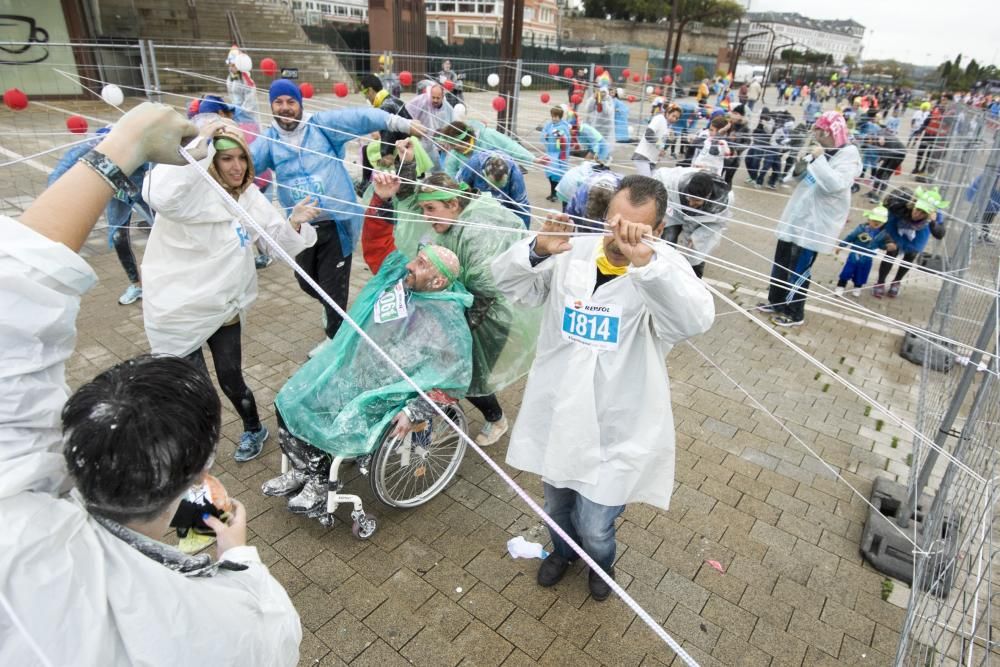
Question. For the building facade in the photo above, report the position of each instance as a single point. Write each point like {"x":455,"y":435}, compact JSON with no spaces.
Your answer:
{"x":454,"y":22}
{"x":840,"y":38}
{"x":316,"y":12}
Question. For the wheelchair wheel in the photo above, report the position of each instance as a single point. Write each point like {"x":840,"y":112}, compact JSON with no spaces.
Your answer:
{"x":409,"y":472}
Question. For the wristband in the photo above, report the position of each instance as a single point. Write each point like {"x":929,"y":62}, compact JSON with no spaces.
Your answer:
{"x":111,"y":173}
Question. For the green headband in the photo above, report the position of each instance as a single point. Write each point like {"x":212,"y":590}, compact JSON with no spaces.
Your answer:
{"x":438,"y":264}
{"x":225,"y":143}
{"x":438,"y":194}
{"x":459,"y":139}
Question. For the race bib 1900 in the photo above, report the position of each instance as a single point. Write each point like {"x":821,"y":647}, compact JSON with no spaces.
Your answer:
{"x":391,"y":305}
{"x":592,"y":324}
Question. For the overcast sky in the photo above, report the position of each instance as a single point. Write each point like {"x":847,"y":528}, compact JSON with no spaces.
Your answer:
{"x":923,"y":32}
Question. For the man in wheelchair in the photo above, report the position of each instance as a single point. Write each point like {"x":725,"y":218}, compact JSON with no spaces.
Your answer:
{"x":342,"y":400}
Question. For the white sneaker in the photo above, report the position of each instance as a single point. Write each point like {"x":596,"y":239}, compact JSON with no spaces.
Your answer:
{"x":838,"y":291}
{"x":313,"y":352}
{"x":856,"y":291}
{"x":492,"y":432}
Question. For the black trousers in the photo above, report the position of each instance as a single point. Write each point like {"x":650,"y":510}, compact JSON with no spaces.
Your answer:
{"x":326,"y":263}
{"x":122,"y":241}
{"x":227,"y":355}
{"x":885,"y":266}
{"x":791,"y":275}
{"x":883,"y":172}
{"x":927,"y":151}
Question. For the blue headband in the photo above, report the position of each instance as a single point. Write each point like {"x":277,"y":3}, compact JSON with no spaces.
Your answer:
{"x":214,"y":104}
{"x":284,"y":87}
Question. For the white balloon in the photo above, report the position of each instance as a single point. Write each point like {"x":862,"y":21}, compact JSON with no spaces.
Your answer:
{"x":326,"y":74}
{"x":112,"y":94}
{"x":526,"y":80}
{"x":649,"y":90}
{"x":458,"y":112}
{"x":493,"y":80}
{"x":244,"y":63}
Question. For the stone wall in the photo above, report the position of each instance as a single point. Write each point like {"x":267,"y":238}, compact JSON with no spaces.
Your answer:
{"x":696,"y":40}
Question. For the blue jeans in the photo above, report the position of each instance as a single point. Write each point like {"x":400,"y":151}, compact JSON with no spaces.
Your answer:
{"x":590,"y":524}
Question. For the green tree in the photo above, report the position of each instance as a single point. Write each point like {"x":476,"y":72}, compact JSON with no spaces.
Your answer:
{"x":627,"y":10}
{"x":715,"y":13}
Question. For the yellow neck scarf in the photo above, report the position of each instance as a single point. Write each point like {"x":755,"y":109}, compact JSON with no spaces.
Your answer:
{"x":380,"y":97}
{"x":605,"y":266}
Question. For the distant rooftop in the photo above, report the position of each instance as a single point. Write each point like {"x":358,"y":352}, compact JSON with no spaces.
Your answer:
{"x":846,"y":27}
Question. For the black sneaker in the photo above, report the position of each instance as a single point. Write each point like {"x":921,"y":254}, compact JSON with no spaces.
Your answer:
{"x":552,"y":570}
{"x":599,"y":589}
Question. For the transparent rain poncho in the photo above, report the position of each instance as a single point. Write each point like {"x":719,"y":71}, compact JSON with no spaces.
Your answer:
{"x":503,"y":336}
{"x":341,"y":400}
{"x":599,"y":112}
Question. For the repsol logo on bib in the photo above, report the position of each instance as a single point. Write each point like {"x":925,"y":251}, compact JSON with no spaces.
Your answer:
{"x":592,"y":308}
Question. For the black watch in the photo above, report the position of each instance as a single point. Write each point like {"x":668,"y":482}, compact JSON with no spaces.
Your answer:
{"x":110,"y":172}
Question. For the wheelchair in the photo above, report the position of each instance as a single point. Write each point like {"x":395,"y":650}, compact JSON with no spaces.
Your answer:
{"x":402,"y":472}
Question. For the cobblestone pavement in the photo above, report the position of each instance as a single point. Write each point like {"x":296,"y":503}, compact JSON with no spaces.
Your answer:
{"x":774,"y":460}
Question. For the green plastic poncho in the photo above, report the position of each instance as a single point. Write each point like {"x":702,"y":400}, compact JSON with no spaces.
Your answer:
{"x":503,"y":336}
{"x":341,"y":400}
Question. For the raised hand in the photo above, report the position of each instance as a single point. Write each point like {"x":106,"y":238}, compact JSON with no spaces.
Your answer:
{"x":553,"y":238}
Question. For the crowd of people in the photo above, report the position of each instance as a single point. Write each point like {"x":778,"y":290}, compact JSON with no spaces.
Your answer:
{"x":471,"y":291}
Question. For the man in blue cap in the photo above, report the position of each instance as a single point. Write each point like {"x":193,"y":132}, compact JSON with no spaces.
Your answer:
{"x":307,"y":156}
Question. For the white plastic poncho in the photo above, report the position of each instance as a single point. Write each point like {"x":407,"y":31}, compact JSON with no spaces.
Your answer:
{"x":599,"y":112}
{"x":573,"y":179}
{"x":198,"y":269}
{"x":817,"y":210}
{"x":598,"y":421}
{"x":80,"y":595}
{"x":700,"y":231}
{"x":435,"y":119}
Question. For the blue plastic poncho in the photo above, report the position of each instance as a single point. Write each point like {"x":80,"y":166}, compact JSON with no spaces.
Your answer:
{"x":319,"y":170}
{"x":556,"y":137}
{"x":513,"y":195}
{"x":621,"y":121}
{"x":341,"y":400}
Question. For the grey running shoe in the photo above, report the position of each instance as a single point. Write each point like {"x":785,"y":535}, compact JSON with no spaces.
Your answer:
{"x":312,"y":497}
{"x":285,"y":484}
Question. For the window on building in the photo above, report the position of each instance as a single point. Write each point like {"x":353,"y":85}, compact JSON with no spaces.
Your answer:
{"x":529,"y":14}
{"x":356,"y":11}
{"x":437,"y":29}
{"x":465,"y":29}
{"x":323,"y":7}
{"x":340,"y":11}
{"x":446,"y":6}
{"x":487,"y":7}
{"x":487,"y":31}
{"x":296,"y":4}
{"x":467,"y":7}
{"x":431,"y":6}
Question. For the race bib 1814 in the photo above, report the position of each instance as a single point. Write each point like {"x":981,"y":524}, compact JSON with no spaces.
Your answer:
{"x":592,"y":324}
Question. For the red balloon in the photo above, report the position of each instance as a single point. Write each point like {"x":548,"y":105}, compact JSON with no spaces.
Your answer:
{"x":499,"y":104}
{"x":306,"y":89}
{"x":545,"y":98}
{"x":76,"y":124}
{"x":449,"y":85}
{"x":193,"y":107}
{"x":668,"y":79}
{"x":678,"y":69}
{"x":269,"y":66}
{"x":568,"y":72}
{"x":631,"y":98}
{"x":626,"y":72}
{"x":598,"y":70}
{"x":15,"y":99}
{"x":553,"y":69}
{"x":340,"y":89}
{"x":405,"y":78}
{"x":635,"y":77}
{"x":576,"y":99}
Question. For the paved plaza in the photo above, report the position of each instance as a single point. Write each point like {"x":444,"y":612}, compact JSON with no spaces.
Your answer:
{"x":774,"y":460}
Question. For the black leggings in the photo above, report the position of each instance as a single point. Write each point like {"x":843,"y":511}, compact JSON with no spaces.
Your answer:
{"x":886,"y":265}
{"x":488,"y":405}
{"x":227,"y":354}
{"x":121,"y":239}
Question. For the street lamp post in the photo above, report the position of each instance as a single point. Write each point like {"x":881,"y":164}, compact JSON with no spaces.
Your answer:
{"x":738,"y":48}
{"x":770,"y":63}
